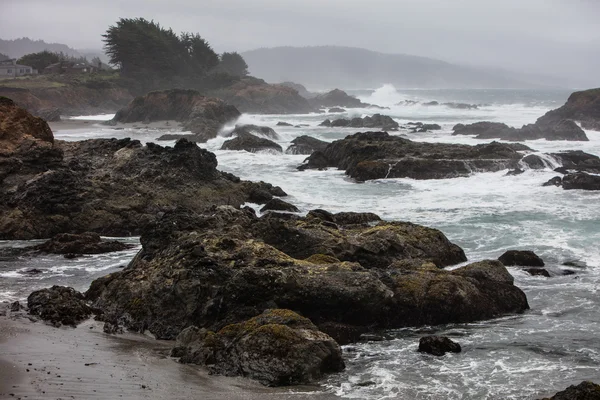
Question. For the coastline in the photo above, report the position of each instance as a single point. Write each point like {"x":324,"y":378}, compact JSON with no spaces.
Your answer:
{"x":40,"y":361}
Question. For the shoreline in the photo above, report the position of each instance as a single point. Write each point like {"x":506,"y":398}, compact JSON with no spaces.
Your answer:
{"x":85,"y":363}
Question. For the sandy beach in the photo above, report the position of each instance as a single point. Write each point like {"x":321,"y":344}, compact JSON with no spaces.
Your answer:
{"x":38,"y":361}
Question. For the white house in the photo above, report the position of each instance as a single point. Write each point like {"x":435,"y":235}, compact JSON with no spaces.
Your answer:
{"x":10,"y":69}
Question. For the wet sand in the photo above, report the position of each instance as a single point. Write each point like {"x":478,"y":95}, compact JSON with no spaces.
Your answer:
{"x":38,"y":361}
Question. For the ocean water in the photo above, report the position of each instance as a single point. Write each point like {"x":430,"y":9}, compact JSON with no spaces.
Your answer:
{"x":527,"y":356}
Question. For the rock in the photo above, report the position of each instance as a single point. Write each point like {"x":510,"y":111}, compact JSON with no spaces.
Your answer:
{"x":579,"y":161}
{"x":59,"y":305}
{"x":254,"y":130}
{"x":277,"y":348}
{"x":225,"y":266}
{"x":582,"y":106}
{"x":32,"y":272}
{"x":250,"y":143}
{"x":534,"y":161}
{"x":537,"y":272}
{"x":265,"y":192}
{"x":431,"y":127}
{"x":84,"y":243}
{"x":514,"y":172}
{"x":336,"y":98}
{"x":460,"y":106}
{"x":306,"y":145}
{"x":284,"y":124}
{"x":112,"y":187}
{"x":378,"y":155}
{"x":558,"y":130}
{"x":203,"y":116}
{"x":432,"y":103}
{"x":376,"y":121}
{"x":336,"y":110}
{"x":301,"y":89}
{"x":438,"y":345}
{"x":279,"y":205}
{"x":523,"y":258}
{"x":49,"y":114}
{"x":255,"y":96}
{"x":581,"y":180}
{"x":586,"y":390}
{"x":556,"y":181}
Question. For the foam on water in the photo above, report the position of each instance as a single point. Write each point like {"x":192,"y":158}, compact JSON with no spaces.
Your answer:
{"x":516,"y":357}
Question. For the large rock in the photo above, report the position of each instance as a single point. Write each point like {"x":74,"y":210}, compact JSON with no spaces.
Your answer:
{"x":438,"y":345}
{"x":59,"y":305}
{"x":203,"y":116}
{"x":107,"y":186}
{"x":542,"y":129}
{"x":85,"y":243}
{"x":583,"y":107}
{"x":251,"y":143}
{"x":375,"y":121}
{"x":337,"y":98}
{"x":254,"y":130}
{"x":586,"y":390}
{"x":522,"y":258}
{"x":225,"y":266}
{"x":306,"y":145}
{"x":579,"y":161}
{"x":252,"y":95}
{"x":581,"y":180}
{"x":277,"y":348}
{"x":378,"y":155}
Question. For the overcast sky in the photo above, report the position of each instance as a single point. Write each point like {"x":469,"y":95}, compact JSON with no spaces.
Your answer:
{"x":560,"y":37}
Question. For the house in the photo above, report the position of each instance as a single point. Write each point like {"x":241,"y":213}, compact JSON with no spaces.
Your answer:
{"x":69,"y":67}
{"x":10,"y":69}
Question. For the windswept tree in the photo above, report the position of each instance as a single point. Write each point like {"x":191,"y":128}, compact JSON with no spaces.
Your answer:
{"x":233,"y":64}
{"x":39,"y":60}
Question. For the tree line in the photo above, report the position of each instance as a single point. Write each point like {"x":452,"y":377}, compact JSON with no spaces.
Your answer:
{"x":156,"y":57}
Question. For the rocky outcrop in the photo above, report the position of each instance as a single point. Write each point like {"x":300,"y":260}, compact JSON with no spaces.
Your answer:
{"x":301,"y":89}
{"x":438,"y":345}
{"x":581,"y":180}
{"x":586,"y":390}
{"x":107,"y":186}
{"x":542,"y":129}
{"x":279,"y":205}
{"x":255,"y":96}
{"x":249,"y":142}
{"x":306,"y":145}
{"x":85,"y":243}
{"x":59,"y":305}
{"x":378,"y":155}
{"x":278,"y":347}
{"x":203,"y":116}
{"x":523,"y":258}
{"x":69,"y":99}
{"x":254,"y":130}
{"x":375,"y":121}
{"x":225,"y":266}
{"x":337,"y":98}
{"x":583,"y":107}
{"x":577,"y":160}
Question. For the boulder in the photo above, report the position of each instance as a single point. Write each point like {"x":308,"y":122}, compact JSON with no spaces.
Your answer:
{"x":251,"y":143}
{"x":586,"y":390}
{"x":538,"y":272}
{"x":306,"y":145}
{"x":203,"y":116}
{"x":254,"y":130}
{"x":279,"y":205}
{"x":579,"y":161}
{"x":336,"y":98}
{"x":378,"y":155}
{"x":255,"y":96}
{"x":225,"y":266}
{"x":375,"y":121}
{"x":523,"y":258}
{"x":59,"y":305}
{"x":557,"y":130}
{"x":112,"y":187}
{"x":581,"y":180}
{"x":337,"y":110}
{"x":85,"y":243}
{"x":438,"y":345}
{"x":277,"y":348}
{"x":280,"y":123}
{"x":556,"y":181}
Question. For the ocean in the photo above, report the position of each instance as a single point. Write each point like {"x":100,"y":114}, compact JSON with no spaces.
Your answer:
{"x":525,"y":356}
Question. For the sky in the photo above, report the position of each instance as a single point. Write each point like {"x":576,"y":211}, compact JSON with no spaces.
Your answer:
{"x":550,"y":37}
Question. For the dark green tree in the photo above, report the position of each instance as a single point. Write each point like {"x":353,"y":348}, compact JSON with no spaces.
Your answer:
{"x":233,"y":64}
{"x":39,"y":60}
{"x":4,"y":57}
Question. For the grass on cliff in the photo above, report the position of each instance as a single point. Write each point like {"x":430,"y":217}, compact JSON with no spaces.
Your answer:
{"x":101,"y":80}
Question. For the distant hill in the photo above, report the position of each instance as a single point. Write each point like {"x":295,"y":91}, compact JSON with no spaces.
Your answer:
{"x":326,"y":67}
{"x":17,"y":48}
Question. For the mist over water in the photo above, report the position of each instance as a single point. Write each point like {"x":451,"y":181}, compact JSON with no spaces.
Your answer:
{"x":516,"y":357}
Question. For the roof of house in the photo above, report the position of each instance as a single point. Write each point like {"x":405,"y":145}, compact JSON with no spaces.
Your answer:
{"x":13,"y":66}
